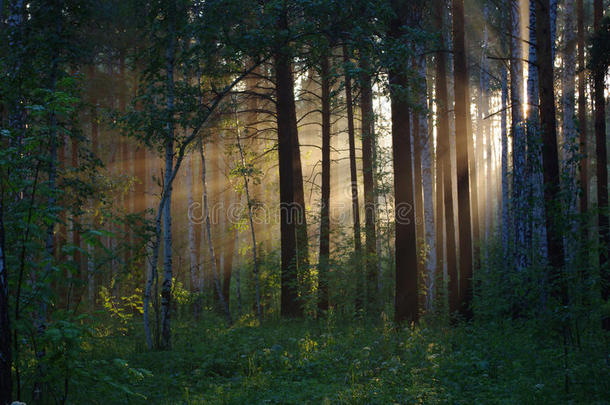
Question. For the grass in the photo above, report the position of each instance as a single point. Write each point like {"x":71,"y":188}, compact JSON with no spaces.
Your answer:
{"x":332,"y":362}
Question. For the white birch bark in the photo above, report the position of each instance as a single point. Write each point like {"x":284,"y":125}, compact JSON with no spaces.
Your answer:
{"x":208,"y":232}
{"x":425,"y":139}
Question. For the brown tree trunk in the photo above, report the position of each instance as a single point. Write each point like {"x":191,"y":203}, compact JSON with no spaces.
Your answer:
{"x":353,"y":176}
{"x":325,"y":200}
{"x":462,"y":104}
{"x":582,"y":111}
{"x":6,"y":382}
{"x":368,"y":119}
{"x":550,"y":157}
{"x":599,"y":73}
{"x":286,"y":128}
{"x":406,"y":299}
{"x":444,"y":160}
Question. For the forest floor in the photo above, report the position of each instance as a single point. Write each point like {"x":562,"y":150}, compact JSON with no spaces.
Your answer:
{"x":328,"y":362}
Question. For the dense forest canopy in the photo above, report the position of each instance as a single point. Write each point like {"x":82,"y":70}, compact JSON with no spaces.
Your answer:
{"x":304,"y":201}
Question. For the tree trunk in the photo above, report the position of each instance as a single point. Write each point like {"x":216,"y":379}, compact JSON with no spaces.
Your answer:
{"x":599,"y":73}
{"x":368,"y":119}
{"x":550,"y":158}
{"x":353,"y":176}
{"x":249,"y":201}
{"x":570,"y":142}
{"x":286,"y":119}
{"x":323,"y":265}
{"x":519,"y":138}
{"x":406,"y":299}
{"x":193,"y":260}
{"x":425,"y":142}
{"x":166,"y":287}
{"x":582,"y":113}
{"x":208,"y":234}
{"x":444,"y":160}
{"x":230,"y":234}
{"x":462,"y":107}
{"x":505,"y":221}
{"x":6,"y":382}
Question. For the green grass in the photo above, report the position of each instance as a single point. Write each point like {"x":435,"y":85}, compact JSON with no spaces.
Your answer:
{"x":317,"y":362}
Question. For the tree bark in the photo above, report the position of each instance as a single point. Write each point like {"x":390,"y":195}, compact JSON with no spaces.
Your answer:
{"x":425,"y":142}
{"x":323,"y":265}
{"x":570,"y":140}
{"x":582,"y":113}
{"x":550,"y":158}
{"x":444,"y":160}
{"x":406,"y":299}
{"x":519,"y":138}
{"x":368,"y":119}
{"x":166,"y":286}
{"x":208,"y":234}
{"x":286,"y":128}
{"x":462,"y":106}
{"x":599,"y":73}
{"x":6,"y":382}
{"x":353,"y":175}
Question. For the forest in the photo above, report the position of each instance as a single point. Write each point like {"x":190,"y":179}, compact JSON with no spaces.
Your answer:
{"x":304,"y":202}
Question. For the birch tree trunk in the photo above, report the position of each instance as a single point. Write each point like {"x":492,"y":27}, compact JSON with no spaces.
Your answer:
{"x":425,"y":141}
{"x":208,"y":234}
{"x":166,"y":287}
{"x":250,"y":204}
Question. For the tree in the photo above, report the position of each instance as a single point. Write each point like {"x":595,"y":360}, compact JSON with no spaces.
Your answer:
{"x":444,"y":159}
{"x":349,"y":105}
{"x":462,"y":107}
{"x":550,"y":159}
{"x":286,"y":132}
{"x":599,"y":70}
{"x":325,"y":197}
{"x":406,"y":299}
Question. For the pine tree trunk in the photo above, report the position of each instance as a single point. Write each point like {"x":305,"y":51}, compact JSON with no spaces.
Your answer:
{"x":582,"y":114}
{"x":550,"y":158}
{"x":353,"y":176}
{"x":520,"y":183}
{"x":570,"y":140}
{"x":599,"y":73}
{"x":505,"y":220}
{"x":444,"y":160}
{"x":323,"y":265}
{"x":462,"y":107}
{"x":368,"y":119}
{"x":286,"y":119}
{"x":6,"y":361}
{"x":406,"y":299}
